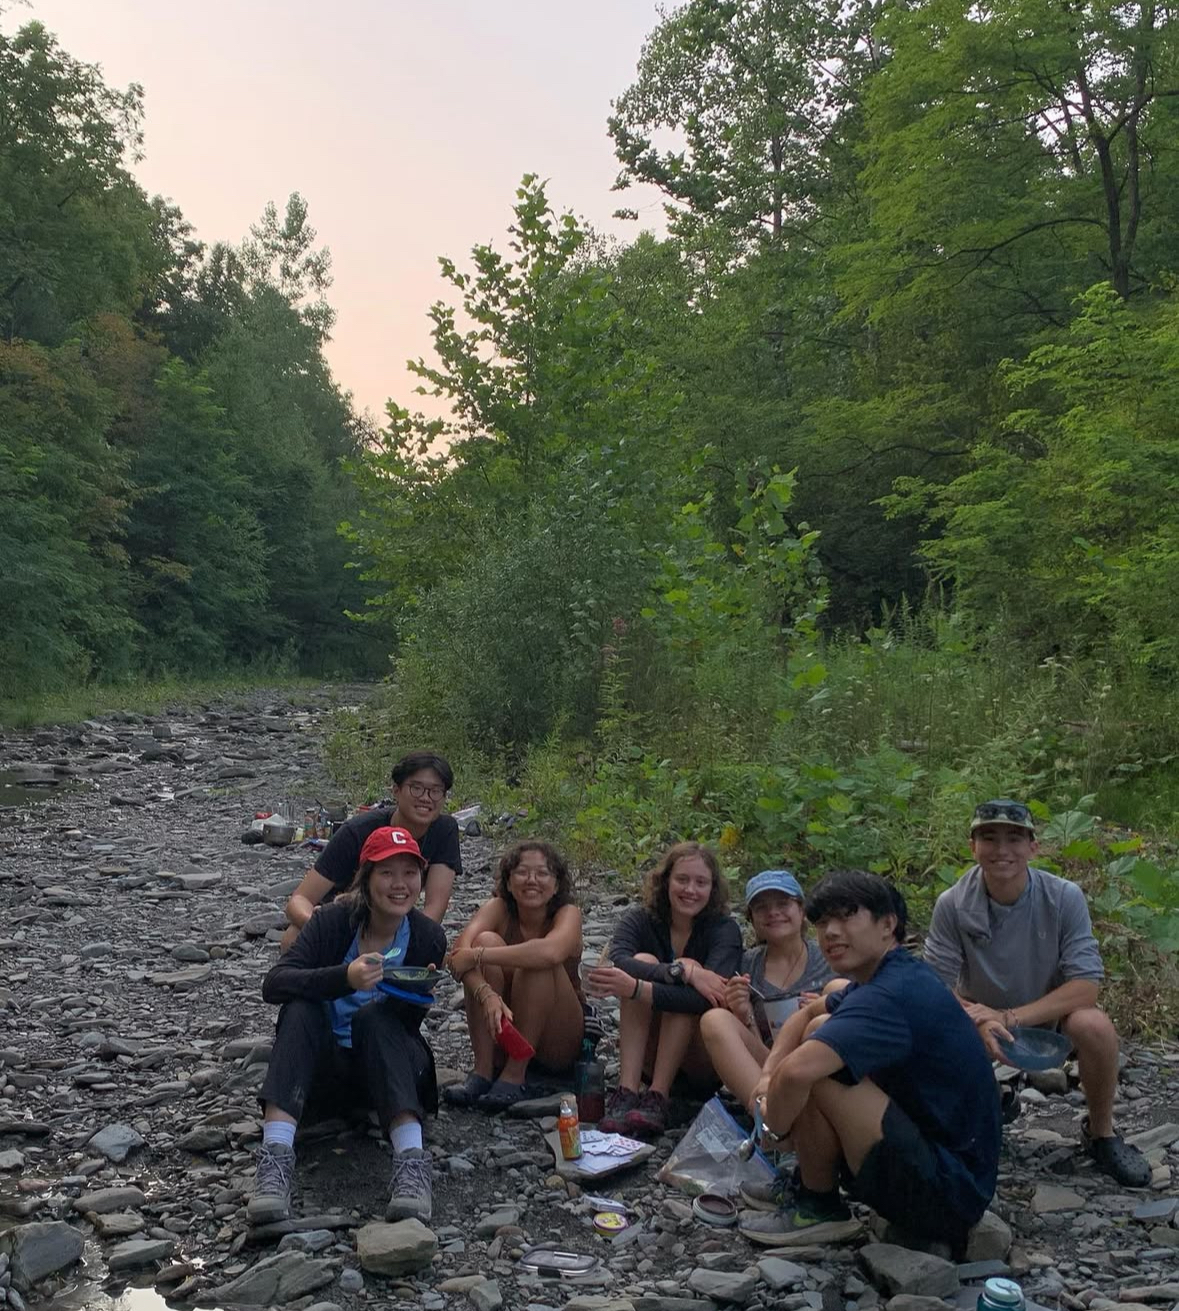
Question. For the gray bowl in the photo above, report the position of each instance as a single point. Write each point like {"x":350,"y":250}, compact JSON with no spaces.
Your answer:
{"x":1035,"y":1049}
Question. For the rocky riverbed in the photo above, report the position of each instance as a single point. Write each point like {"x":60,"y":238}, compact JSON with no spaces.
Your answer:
{"x":135,"y":928}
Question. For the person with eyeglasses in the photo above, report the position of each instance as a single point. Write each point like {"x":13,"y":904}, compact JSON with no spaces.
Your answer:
{"x":421,"y":781}
{"x":1016,"y":945}
{"x":517,"y":960}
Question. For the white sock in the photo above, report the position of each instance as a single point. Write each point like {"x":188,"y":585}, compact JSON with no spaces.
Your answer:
{"x":278,"y":1131}
{"x":406,"y":1136}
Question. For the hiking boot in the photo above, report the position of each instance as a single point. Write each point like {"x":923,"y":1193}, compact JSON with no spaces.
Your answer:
{"x":648,"y":1118}
{"x":809,"y":1220}
{"x":776,"y":1194}
{"x":619,"y":1105}
{"x":272,"y":1185}
{"x":411,"y":1186}
{"x":1117,"y":1158}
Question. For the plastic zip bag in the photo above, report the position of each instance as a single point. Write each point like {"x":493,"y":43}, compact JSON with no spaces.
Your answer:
{"x":705,"y":1159}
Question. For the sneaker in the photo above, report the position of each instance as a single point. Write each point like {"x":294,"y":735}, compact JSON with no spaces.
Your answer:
{"x":776,"y":1194}
{"x":411,"y":1185}
{"x":619,"y":1105}
{"x":1117,"y":1158}
{"x":648,"y":1118}
{"x":801,"y":1224}
{"x":272,"y":1185}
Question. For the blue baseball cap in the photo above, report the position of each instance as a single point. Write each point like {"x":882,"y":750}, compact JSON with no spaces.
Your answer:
{"x":772,"y":880}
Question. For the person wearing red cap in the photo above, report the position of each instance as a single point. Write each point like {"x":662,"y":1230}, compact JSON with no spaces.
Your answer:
{"x":342,"y":1027}
{"x":517,"y":960}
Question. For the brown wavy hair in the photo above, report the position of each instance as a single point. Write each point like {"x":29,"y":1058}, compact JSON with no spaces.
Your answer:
{"x":655,"y":895}
{"x":562,"y":894}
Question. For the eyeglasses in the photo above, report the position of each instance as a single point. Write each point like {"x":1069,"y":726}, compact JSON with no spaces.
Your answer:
{"x":531,"y":871}
{"x":1003,"y":812}
{"x":435,"y":791}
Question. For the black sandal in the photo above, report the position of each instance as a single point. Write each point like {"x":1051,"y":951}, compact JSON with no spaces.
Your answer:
{"x":500,"y":1096}
{"x":468,"y":1092}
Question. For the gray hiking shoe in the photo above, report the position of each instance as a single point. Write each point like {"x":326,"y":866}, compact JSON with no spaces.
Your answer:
{"x":411,"y":1186}
{"x":272,"y":1185}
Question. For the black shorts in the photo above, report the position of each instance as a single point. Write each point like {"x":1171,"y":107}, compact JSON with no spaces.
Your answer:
{"x":902,"y":1179}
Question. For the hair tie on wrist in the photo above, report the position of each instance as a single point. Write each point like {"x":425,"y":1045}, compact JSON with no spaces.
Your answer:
{"x":638,"y":988}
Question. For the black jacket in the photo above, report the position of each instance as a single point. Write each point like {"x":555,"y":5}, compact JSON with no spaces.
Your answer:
{"x":715,"y":942}
{"x":314,"y":967}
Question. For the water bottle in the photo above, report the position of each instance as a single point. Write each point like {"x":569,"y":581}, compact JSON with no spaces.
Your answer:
{"x":569,"y":1128}
{"x":1001,"y":1295}
{"x":589,"y":1083}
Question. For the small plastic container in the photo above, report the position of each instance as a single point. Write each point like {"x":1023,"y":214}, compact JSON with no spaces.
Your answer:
{"x":714,"y":1209}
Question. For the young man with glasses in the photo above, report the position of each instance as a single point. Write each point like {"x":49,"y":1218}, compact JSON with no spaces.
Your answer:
{"x":421,"y":781}
{"x":1017,"y":946}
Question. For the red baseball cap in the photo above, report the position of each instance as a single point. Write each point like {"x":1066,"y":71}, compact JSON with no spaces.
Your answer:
{"x":382,"y":843}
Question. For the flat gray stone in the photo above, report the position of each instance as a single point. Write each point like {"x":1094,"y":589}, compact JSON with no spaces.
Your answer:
{"x":313,"y":1240}
{"x":894,"y":1269}
{"x":594,"y":1302}
{"x":490,"y":1224}
{"x":109,"y":1199}
{"x":487,"y":1297}
{"x":137,"y":1252}
{"x":1162,"y":1209}
{"x":989,"y":1240}
{"x":38,"y":1250}
{"x":116,"y":1142}
{"x":657,"y":1302}
{"x":118,"y":1224}
{"x":182,"y":980}
{"x":912,"y":1302}
{"x":1150,"y":1140}
{"x":1050,"y":1198}
{"x":12,"y":1159}
{"x":204,"y":1138}
{"x":396,"y":1249}
{"x":275,"y":1280}
{"x":779,"y":1273}
{"x":723,"y":1286}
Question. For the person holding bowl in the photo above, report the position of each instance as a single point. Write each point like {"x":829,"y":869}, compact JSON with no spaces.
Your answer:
{"x":342,"y":1034}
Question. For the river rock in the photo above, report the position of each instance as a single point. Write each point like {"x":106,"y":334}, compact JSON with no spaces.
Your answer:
{"x":275,"y":1280}
{"x":109,"y":1199}
{"x":989,"y":1240}
{"x":116,"y":1142}
{"x":486,"y":1296}
{"x":722,"y":1286}
{"x":40,"y":1249}
{"x":395,"y":1249}
{"x":137,"y":1252}
{"x":894,"y":1269}
{"x":1049,"y":1198}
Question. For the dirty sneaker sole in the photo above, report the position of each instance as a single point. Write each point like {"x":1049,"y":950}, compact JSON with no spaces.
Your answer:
{"x":408,"y":1208}
{"x":822,"y":1231}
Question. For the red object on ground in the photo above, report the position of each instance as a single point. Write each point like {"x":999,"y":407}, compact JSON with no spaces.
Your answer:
{"x":514,"y":1042}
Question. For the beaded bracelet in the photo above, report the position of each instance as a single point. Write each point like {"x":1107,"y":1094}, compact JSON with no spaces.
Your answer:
{"x":481,"y":991}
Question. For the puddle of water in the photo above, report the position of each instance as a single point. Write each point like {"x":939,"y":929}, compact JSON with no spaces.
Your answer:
{"x":87,"y":1297}
{"x":14,"y":792}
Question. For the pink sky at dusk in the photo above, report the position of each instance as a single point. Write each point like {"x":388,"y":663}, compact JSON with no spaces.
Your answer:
{"x":406,"y":124}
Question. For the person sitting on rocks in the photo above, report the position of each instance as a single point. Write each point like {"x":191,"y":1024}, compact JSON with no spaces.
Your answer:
{"x":893,"y":1093}
{"x":1017,"y":946}
{"x":517,"y":960}
{"x":782,"y":971}
{"x":420,"y":784}
{"x":340,"y":1034}
{"x":669,"y":962}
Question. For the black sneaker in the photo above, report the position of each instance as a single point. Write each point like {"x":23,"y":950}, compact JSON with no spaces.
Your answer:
{"x":1117,"y":1158}
{"x":272,"y":1185}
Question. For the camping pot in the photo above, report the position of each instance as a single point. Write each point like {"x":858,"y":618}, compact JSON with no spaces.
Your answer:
{"x":277,"y":832}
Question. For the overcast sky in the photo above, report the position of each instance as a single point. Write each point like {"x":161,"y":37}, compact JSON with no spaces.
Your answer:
{"x":407,"y":124}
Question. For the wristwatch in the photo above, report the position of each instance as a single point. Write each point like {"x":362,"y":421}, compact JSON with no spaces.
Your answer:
{"x":675,"y":971}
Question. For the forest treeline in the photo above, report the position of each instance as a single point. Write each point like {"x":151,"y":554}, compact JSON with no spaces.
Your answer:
{"x":850,"y":500}
{"x":171,"y":440}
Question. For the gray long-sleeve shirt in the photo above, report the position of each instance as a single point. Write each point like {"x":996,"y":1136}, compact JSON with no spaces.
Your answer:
{"x":1005,"y":956}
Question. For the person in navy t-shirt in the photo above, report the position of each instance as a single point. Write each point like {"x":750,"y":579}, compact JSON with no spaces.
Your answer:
{"x":892,"y":1094}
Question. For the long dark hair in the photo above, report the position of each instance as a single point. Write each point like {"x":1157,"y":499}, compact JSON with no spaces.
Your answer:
{"x":562,"y":894}
{"x":655,"y":895}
